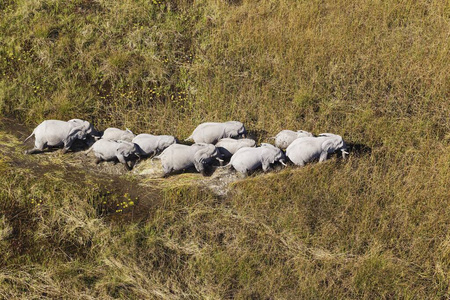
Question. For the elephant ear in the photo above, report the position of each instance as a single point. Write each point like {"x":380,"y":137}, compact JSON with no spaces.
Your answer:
{"x":268,"y":155}
{"x":74,"y":134}
{"x":332,"y":144}
{"x":88,"y":127}
{"x":77,"y":132}
{"x":230,"y":131}
{"x":202,"y":155}
{"x":125,"y":148}
{"x":161,"y":144}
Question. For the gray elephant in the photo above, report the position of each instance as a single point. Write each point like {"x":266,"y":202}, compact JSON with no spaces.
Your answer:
{"x":211,"y":132}
{"x":307,"y":149}
{"x":122,"y":151}
{"x":153,"y":144}
{"x":227,"y":147}
{"x":116,"y":134}
{"x":285,"y":137}
{"x":56,"y":133}
{"x":179,"y":157}
{"x":248,"y":159}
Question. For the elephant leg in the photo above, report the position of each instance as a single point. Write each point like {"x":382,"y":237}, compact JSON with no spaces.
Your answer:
{"x":38,"y":148}
{"x":323,"y":156}
{"x":98,"y":160}
{"x":128,"y":167}
{"x":132,"y":163}
{"x":33,"y":151}
{"x":265,"y":167}
{"x":67,"y":147}
{"x":242,"y":175}
{"x":167,"y":171}
{"x":122,"y":159}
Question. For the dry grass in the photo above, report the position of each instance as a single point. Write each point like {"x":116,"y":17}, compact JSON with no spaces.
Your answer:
{"x":374,"y":226}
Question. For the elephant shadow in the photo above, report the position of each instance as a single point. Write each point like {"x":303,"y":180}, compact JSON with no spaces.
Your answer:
{"x":358,"y":150}
{"x":354,"y":149}
{"x":77,"y":146}
{"x":82,"y":145}
{"x":208,"y":172}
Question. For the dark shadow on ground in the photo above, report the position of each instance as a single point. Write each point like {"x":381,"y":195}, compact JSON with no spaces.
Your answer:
{"x":358,"y":150}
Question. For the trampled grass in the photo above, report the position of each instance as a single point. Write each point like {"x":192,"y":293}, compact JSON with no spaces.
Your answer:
{"x":373,"y":226}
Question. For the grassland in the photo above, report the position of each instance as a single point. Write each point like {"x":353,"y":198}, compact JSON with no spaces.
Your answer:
{"x":374,"y":226}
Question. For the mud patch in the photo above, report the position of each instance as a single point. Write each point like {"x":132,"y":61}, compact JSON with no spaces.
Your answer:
{"x":218,"y":182}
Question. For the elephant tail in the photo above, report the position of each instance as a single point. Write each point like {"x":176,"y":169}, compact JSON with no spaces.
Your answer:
{"x":29,"y":136}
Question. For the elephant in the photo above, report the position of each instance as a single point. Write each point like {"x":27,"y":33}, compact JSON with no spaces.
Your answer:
{"x":227,"y":146}
{"x":212,"y":132}
{"x":56,"y":133}
{"x":153,"y":144}
{"x":285,"y":137}
{"x":307,"y":149}
{"x":116,"y":134}
{"x":178,"y":157}
{"x":107,"y":150}
{"x":248,"y":159}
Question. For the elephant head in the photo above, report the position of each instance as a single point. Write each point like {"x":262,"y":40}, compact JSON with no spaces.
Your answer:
{"x":75,"y":133}
{"x":87,"y":127}
{"x":204,"y":156}
{"x":235,"y":129}
{"x":270,"y":155}
{"x":127,"y":151}
{"x":333,"y":142}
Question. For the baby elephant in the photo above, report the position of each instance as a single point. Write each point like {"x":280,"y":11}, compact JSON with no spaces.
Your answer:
{"x":123,"y":151}
{"x":153,"y":144}
{"x":212,"y":132}
{"x":116,"y":134}
{"x":179,"y":157}
{"x":285,"y":137}
{"x":55,"y":133}
{"x":227,"y":147}
{"x":249,"y":159}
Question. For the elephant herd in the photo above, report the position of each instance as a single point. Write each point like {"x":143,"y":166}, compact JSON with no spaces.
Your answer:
{"x":213,"y":144}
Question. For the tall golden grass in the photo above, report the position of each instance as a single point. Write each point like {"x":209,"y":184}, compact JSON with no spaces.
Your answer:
{"x":373,"y":226}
